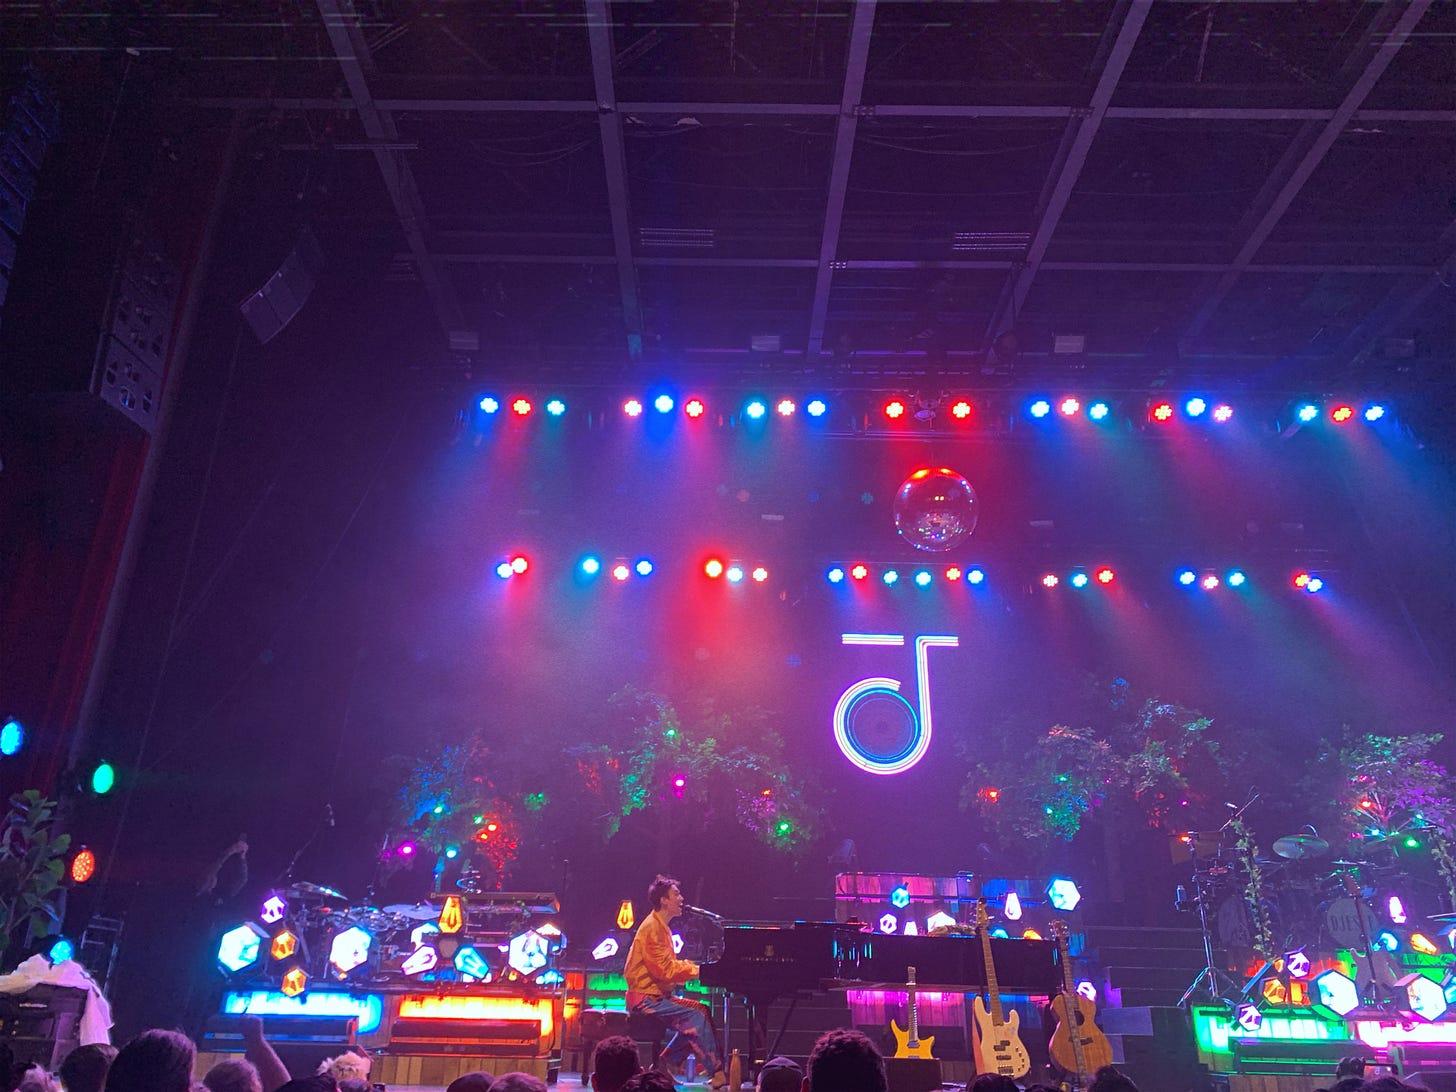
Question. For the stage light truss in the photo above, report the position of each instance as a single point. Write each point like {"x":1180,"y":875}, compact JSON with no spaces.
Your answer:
{"x":941,"y":411}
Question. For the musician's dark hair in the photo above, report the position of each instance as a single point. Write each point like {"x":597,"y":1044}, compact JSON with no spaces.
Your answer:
{"x":845,"y":1060}
{"x":1111,"y":1079}
{"x":993,"y":1082}
{"x":154,"y":1061}
{"x":659,"y":889}
{"x":614,"y":1063}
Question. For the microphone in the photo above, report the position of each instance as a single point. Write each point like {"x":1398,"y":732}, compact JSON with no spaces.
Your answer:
{"x":329,"y":815}
{"x":701,"y":912}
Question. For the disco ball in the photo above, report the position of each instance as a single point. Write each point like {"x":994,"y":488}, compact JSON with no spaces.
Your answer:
{"x":936,"y":509}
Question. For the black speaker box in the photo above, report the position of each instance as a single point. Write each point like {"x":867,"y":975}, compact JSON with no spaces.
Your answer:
{"x":273,"y":306}
{"x":913,"y":1074}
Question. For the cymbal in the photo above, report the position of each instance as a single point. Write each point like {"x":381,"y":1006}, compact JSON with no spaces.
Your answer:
{"x":1444,"y":919}
{"x":1350,"y":864}
{"x":1299,"y":847}
{"x":305,"y":890}
{"x":421,"y":911}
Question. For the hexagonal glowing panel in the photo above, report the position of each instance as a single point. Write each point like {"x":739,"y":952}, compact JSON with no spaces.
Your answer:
{"x":419,"y":961}
{"x":1337,"y":992}
{"x":1427,"y":999}
{"x":1248,"y":1017}
{"x":677,"y":943}
{"x":625,"y":918}
{"x":888,"y":923}
{"x":1063,"y":894}
{"x":421,"y":934}
{"x":1297,"y":965}
{"x":1275,"y":992}
{"x":938,"y":920}
{"x":350,"y":949}
{"x":294,"y":982}
{"x":606,"y":949}
{"x":527,"y":952}
{"x":900,"y":897}
{"x":273,"y":910}
{"x":284,"y":945}
{"x":240,"y":947}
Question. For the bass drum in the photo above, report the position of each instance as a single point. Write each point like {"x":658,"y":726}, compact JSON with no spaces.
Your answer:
{"x":1232,"y":921}
{"x":1343,"y":922}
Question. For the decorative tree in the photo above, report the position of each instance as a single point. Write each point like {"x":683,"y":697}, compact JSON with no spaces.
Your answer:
{"x":32,"y":864}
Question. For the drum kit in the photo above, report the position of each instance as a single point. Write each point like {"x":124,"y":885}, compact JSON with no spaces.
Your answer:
{"x":1310,"y":900}
{"x":317,"y":912}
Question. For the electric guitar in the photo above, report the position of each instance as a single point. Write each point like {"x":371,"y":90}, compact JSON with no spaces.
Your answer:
{"x":999,"y":1048}
{"x":908,"y":1044}
{"x":1078,"y":1045}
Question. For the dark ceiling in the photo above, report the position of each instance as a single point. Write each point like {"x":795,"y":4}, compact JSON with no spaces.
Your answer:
{"x":1259,"y":193}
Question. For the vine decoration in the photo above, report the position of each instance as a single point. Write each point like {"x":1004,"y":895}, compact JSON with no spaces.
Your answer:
{"x":1248,"y":852}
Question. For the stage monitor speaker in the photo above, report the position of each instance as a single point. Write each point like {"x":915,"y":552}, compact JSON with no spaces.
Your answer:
{"x":274,"y":305}
{"x":39,"y":1025}
{"x":913,"y":1074}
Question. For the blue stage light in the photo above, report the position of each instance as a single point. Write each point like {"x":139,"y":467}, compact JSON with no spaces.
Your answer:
{"x":504,"y":570}
{"x":923,"y":578}
{"x":890,"y":577}
{"x":1186,"y":577}
{"x":975,"y":576}
{"x":1040,"y":408}
{"x":240,"y":947}
{"x":1235,"y":578}
{"x":816,"y":407}
{"x":556,"y":407}
{"x":1374,"y":412}
{"x":1306,"y":412}
{"x":590,"y":565}
{"x":1063,"y":894}
{"x":900,"y":897}
{"x":734,"y":574}
{"x":489,"y":404}
{"x":1098,"y":410}
{"x":643,"y":567}
{"x":1079,"y":580}
{"x":663,"y":403}
{"x":61,"y":951}
{"x":755,"y":410}
{"x":12,"y":738}
{"x":1195,"y":407}
{"x":835,"y":575}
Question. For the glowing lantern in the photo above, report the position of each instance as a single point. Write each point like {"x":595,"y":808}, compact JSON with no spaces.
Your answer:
{"x":677,"y":944}
{"x":1087,"y":989}
{"x":938,"y":920}
{"x":911,"y":929}
{"x":452,"y":917}
{"x":1426,"y":998}
{"x":61,"y":950}
{"x":1297,"y":965}
{"x":1419,"y":942}
{"x":1012,"y":909}
{"x":527,"y":952}
{"x":420,"y":932}
{"x":1063,"y":894}
{"x":900,"y":897}
{"x":1031,"y":934}
{"x":350,"y":949}
{"x":1248,"y":1017}
{"x":471,"y":963}
{"x":888,"y":923}
{"x":284,"y":945}
{"x":1337,"y":992}
{"x":1394,"y":905}
{"x":422,"y":959}
{"x":294,"y":982}
{"x":83,"y":865}
{"x":274,"y":908}
{"x":606,"y":949}
{"x":239,"y":948}
{"x":1275,"y":992}
{"x":625,"y":918}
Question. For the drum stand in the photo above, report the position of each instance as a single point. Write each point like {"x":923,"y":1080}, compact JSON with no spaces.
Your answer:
{"x":1218,"y":982}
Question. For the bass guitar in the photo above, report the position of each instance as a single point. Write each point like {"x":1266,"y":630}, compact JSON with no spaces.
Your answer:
{"x":908,"y":1043}
{"x":1078,"y":1045}
{"x":999,"y":1048}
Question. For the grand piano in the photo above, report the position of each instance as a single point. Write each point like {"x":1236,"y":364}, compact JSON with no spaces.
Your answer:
{"x":764,"y":963}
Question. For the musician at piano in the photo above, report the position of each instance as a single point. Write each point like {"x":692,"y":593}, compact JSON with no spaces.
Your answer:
{"x":653,"y":972}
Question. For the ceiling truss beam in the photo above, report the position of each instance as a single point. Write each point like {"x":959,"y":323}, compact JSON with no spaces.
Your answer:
{"x":342,"y":25}
{"x":1382,"y":40}
{"x":844,"y":132}
{"x":1071,"y":156}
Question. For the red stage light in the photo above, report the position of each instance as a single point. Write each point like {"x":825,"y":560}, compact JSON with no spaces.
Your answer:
{"x":1105,"y":576}
{"x":83,"y":865}
{"x":1342,"y":413}
{"x":632,"y":408}
{"x":894,"y":409}
{"x":960,"y":410}
{"x":1301,"y":579}
{"x":1209,"y":582}
{"x":1050,"y":580}
{"x":695,"y":408}
{"x":760,"y":574}
{"x":519,"y":564}
{"x":991,"y":794}
{"x":1069,"y":407}
{"x":953,"y":573}
{"x":621,"y":572}
{"x":786,"y":407}
{"x":521,"y":407}
{"x":1163,"y":411}
{"x":859,"y":572}
{"x":713,"y":567}
{"x":1222,"y":412}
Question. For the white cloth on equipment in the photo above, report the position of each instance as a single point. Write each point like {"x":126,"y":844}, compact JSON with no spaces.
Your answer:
{"x":95,"y":1023}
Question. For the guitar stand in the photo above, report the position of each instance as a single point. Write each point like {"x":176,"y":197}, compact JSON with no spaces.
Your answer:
{"x":1220,"y":984}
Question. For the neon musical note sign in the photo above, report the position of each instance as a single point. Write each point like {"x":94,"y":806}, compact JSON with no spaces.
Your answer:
{"x":872,"y":748}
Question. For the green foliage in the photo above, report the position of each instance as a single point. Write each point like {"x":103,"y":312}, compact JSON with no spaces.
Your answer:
{"x":32,"y":866}
{"x":1152,"y":754}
